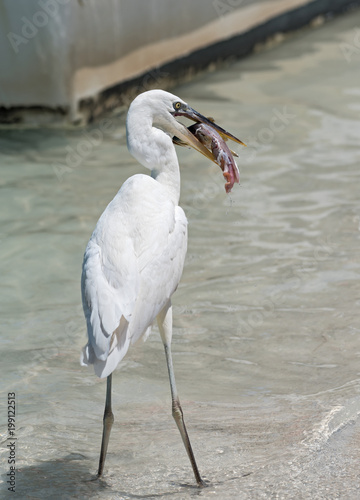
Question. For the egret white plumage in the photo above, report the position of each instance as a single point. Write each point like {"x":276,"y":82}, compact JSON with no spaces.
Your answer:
{"x":135,"y":257}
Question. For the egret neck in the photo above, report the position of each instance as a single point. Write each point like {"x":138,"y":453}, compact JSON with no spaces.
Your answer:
{"x":154,"y":149}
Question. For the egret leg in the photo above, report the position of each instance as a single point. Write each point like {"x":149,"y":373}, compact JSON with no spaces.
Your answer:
{"x":165,"y":327}
{"x":107,"y":424}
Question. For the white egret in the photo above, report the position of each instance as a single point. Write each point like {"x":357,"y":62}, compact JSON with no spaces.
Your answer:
{"x":135,"y":256}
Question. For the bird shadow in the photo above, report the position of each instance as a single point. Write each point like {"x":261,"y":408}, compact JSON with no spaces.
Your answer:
{"x":56,"y":479}
{"x":67,"y":478}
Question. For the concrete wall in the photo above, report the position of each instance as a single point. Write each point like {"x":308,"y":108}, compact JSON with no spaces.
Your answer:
{"x":60,"y":53}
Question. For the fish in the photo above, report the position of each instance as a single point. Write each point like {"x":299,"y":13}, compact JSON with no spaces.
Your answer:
{"x":212,"y":140}
{"x":216,"y":143}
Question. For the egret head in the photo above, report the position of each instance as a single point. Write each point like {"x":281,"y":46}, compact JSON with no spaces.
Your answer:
{"x":162,"y":108}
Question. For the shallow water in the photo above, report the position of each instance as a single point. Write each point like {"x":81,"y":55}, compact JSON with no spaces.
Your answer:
{"x":266,"y":329}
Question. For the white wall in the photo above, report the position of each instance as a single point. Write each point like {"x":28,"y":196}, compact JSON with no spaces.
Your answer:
{"x":53,"y":53}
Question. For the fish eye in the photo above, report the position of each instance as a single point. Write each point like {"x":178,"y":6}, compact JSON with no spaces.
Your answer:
{"x":177,"y":105}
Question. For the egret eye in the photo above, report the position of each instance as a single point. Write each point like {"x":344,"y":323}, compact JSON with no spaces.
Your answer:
{"x":177,"y":105}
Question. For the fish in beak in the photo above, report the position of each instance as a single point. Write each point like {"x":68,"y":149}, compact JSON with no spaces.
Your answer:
{"x":198,"y":117}
{"x":213,"y":138}
{"x":185,"y":137}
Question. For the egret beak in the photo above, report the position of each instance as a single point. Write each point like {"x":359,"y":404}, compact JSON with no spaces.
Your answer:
{"x":197,"y":117}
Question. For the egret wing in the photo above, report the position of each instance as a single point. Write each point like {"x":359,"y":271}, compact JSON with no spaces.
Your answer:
{"x":110,"y":284}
